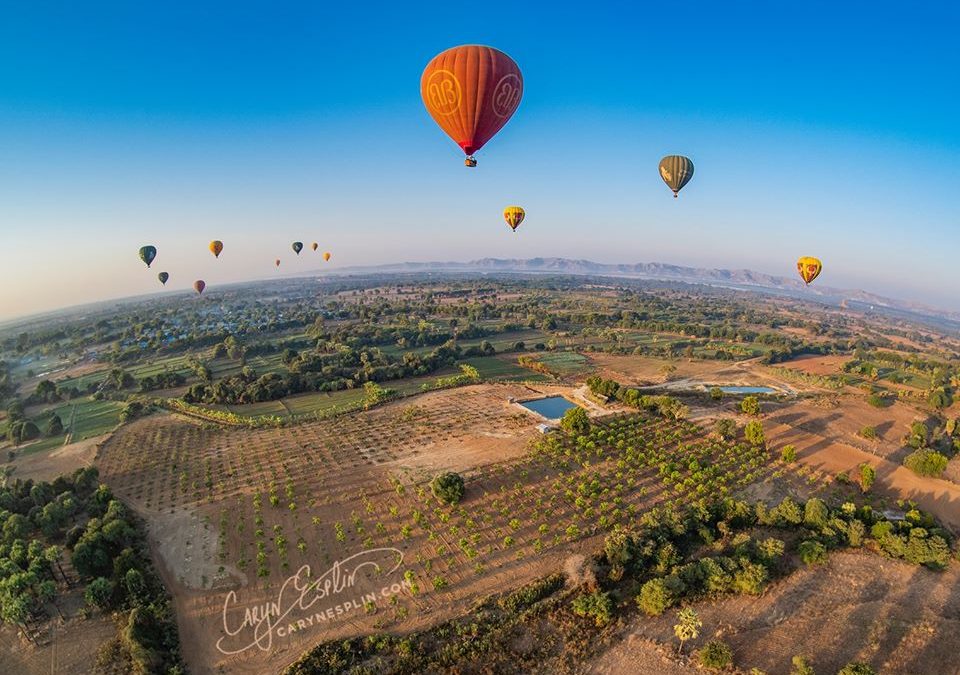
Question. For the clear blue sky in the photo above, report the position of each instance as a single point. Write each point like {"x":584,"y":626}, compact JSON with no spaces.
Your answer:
{"x":826,"y":129}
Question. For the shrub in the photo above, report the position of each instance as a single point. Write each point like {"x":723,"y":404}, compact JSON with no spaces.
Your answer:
{"x":868,"y":432}
{"x":789,"y":454}
{"x":750,"y":405}
{"x":857,"y":668}
{"x":726,"y":428}
{"x":801,"y":666}
{"x":597,"y":604}
{"x":924,"y":462}
{"x":815,"y":514}
{"x":716,"y":393}
{"x":99,"y":593}
{"x":754,"y":432}
{"x":716,"y":655}
{"x":812,"y":552}
{"x":868,"y":475}
{"x":879,"y":400}
{"x":448,"y":487}
{"x":655,"y":597}
{"x":575,"y":421}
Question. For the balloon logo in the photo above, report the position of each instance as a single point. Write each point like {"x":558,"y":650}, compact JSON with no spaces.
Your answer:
{"x":147,"y":254}
{"x":809,"y":268}
{"x":471,"y":91}
{"x":297,"y":246}
{"x":676,"y":171}
{"x":199,"y":285}
{"x":514,"y":215}
{"x":163,"y":276}
{"x":216,"y":247}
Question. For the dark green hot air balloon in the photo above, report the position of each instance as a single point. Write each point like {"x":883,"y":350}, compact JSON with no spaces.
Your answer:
{"x":163,"y":276}
{"x":147,"y":254}
{"x":297,"y":247}
{"x":676,"y":171}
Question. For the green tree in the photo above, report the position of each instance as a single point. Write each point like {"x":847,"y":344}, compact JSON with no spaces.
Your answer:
{"x":925,"y":462}
{"x":575,"y":420}
{"x":789,"y":454}
{"x":655,"y":597}
{"x":599,"y":605}
{"x":857,"y":668}
{"x":750,"y":405}
{"x":99,"y":593}
{"x":55,"y":426}
{"x":753,"y":432}
{"x":725,"y":428}
{"x":868,"y":475}
{"x":716,"y":655}
{"x":801,"y":666}
{"x":448,"y":487}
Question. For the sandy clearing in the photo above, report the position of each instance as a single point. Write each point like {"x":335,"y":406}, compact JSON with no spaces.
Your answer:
{"x":52,"y":463}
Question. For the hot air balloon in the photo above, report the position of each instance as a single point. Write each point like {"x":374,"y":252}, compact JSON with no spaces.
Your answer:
{"x":471,"y":91}
{"x":199,"y":285}
{"x":514,"y":216}
{"x":326,"y":256}
{"x":163,"y":276}
{"x":277,"y":262}
{"x":314,"y":246}
{"x":676,"y":171}
{"x":297,"y":246}
{"x":216,"y":246}
{"x":809,"y":268}
{"x":147,"y":254}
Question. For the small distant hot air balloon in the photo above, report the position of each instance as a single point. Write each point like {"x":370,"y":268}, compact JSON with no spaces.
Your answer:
{"x":199,"y":285}
{"x":163,"y":276}
{"x":147,"y":254}
{"x":277,"y":262}
{"x":514,"y":216}
{"x":326,"y":256}
{"x":216,"y":247}
{"x":471,"y":91}
{"x":297,"y":246}
{"x":676,"y":171}
{"x":809,"y":268}
{"x":314,"y":246}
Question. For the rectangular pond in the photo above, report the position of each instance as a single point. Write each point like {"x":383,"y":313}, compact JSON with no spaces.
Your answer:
{"x":747,"y":390}
{"x":551,"y":407}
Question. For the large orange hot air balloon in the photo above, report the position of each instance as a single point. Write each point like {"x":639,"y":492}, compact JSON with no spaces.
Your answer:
{"x":471,"y":91}
{"x":514,"y":216}
{"x":326,"y":256}
{"x":809,"y":268}
{"x":199,"y":285}
{"x":216,"y":247}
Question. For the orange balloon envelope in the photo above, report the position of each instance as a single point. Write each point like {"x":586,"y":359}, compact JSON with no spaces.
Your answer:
{"x":314,"y":246}
{"x":199,"y":285}
{"x":216,"y":246}
{"x":809,"y":268}
{"x":471,"y":91}
{"x":326,"y":256}
{"x":514,"y":216}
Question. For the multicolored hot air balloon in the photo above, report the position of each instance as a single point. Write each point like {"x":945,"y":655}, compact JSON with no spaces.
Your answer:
{"x":676,"y":171}
{"x":297,"y":246}
{"x":147,"y":254}
{"x":471,"y":91}
{"x":514,"y":216}
{"x":326,"y":256}
{"x":314,"y":246}
{"x":809,"y":268}
{"x":163,"y":276}
{"x":216,"y":247}
{"x":199,"y":285}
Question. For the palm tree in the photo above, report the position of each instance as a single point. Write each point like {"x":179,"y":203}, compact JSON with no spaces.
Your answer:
{"x":687,"y":627}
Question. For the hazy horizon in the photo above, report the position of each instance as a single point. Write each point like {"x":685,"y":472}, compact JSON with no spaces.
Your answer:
{"x":260,"y":129}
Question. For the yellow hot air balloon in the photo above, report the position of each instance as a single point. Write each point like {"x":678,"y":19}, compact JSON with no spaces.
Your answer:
{"x":216,"y":247}
{"x":809,"y":268}
{"x":514,"y":216}
{"x":314,"y":246}
{"x":326,"y":256}
{"x":676,"y":171}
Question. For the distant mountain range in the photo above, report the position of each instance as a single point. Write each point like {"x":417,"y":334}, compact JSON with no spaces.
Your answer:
{"x":739,"y":279}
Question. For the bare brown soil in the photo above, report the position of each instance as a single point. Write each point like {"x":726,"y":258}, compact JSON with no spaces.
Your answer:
{"x":858,"y":607}
{"x":52,"y":463}
{"x":816,"y":364}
